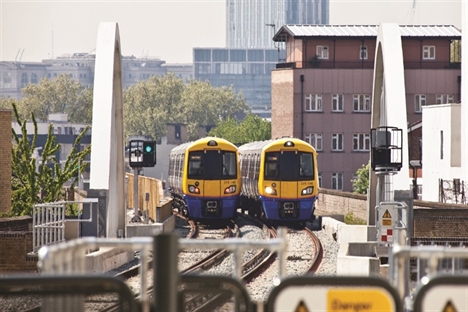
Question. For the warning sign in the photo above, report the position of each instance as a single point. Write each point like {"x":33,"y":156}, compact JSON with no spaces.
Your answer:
{"x":387,"y":215}
{"x":333,"y":294}
{"x":449,"y":307}
{"x":387,"y":218}
{"x":358,"y":300}
{"x":301,"y":307}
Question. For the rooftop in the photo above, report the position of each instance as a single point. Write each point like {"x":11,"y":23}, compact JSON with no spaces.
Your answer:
{"x":364,"y":31}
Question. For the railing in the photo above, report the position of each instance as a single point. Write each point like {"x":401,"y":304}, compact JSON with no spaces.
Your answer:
{"x":49,"y":221}
{"x":69,"y":258}
{"x":328,"y":64}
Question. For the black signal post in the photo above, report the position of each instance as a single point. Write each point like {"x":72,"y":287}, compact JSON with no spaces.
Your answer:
{"x":141,"y":154}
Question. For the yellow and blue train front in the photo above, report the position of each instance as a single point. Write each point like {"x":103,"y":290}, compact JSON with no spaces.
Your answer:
{"x":216,"y":199}
{"x":289,"y":201}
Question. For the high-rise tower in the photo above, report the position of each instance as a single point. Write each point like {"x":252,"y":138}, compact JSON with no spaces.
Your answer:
{"x":252,"y":23}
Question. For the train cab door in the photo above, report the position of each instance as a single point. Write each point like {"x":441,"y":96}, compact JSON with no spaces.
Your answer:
{"x":288,"y":168}
{"x":212,"y":166}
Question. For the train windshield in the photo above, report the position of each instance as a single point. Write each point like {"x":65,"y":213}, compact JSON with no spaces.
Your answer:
{"x":289,"y":166}
{"x":212,"y":165}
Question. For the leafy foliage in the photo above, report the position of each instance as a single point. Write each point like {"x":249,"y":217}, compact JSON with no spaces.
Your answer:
{"x":361,"y":183}
{"x":34,"y":182}
{"x":153,"y":103}
{"x":350,"y":218}
{"x":252,"y":128}
{"x":60,"y":95}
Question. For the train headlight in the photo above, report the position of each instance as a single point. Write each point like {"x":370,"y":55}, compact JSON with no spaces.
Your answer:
{"x":193,"y":189}
{"x":269,"y":190}
{"x":308,"y":190}
{"x":230,"y":189}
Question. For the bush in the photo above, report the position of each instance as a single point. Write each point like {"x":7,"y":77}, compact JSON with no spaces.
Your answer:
{"x":351,"y":219}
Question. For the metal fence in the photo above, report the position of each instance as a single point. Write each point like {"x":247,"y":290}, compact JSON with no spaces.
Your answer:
{"x":49,"y":221}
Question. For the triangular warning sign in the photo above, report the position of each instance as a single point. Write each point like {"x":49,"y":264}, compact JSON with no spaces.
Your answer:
{"x":449,"y":307}
{"x":387,"y":215}
{"x":301,"y":307}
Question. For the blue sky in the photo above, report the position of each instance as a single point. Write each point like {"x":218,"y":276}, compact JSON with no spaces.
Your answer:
{"x":169,"y":29}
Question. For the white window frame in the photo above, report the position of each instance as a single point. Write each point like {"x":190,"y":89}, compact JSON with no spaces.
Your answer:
{"x":313,"y":102}
{"x":322,"y":52}
{"x":337,"y":181}
{"x":444,"y":98}
{"x":419,"y":102}
{"x":361,"y":102}
{"x":314,"y":139}
{"x":361,"y":142}
{"x":337,"y":102}
{"x":337,"y":142}
{"x":429,"y":52}
{"x":363,"y":52}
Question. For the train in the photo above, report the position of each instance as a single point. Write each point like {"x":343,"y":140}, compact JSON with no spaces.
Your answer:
{"x":279,"y":180}
{"x":204,"y":179}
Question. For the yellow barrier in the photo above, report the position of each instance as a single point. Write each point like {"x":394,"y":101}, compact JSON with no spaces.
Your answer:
{"x":145,"y":185}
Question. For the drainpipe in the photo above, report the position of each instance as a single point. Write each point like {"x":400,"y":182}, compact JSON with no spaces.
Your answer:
{"x":459,"y":88}
{"x":334,"y":53}
{"x":302,"y":107}
{"x":420,"y":53}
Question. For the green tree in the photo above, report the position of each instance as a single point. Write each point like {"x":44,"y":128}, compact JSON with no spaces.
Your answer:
{"x":7,"y":103}
{"x":252,"y":128}
{"x":361,"y":183}
{"x":60,"y":95}
{"x":153,"y":103}
{"x":36,"y":182}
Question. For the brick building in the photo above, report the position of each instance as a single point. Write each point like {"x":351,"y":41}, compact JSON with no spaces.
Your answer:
{"x":323,"y":93}
{"x":5,"y":160}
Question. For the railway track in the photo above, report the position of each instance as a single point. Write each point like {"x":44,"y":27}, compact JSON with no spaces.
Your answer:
{"x":253,"y":266}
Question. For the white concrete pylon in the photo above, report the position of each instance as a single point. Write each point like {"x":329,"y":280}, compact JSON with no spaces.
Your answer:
{"x":389,"y":103}
{"x":107,"y":140}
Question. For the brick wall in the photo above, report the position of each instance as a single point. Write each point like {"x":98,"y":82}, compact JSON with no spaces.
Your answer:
{"x":16,"y":242}
{"x":5,"y":160}
{"x":337,"y":202}
{"x":430,"y":219}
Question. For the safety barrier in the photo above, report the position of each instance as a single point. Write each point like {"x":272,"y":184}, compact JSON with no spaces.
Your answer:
{"x":289,"y":293}
{"x":49,"y":221}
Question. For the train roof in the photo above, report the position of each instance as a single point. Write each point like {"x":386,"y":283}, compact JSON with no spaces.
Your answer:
{"x":205,"y":142}
{"x":263,"y":145}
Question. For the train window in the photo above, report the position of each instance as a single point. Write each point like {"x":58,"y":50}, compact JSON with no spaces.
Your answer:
{"x":229,"y":165}
{"x":306,"y":167}
{"x":271,"y":165}
{"x":195,"y":166}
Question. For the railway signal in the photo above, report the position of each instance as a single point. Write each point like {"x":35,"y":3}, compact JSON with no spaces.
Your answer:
{"x":142,"y":153}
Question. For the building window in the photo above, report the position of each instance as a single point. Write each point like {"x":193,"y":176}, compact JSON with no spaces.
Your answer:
{"x":441,"y":144}
{"x":320,"y":179}
{"x":361,"y":142}
{"x":428,"y":52}
{"x":444,"y":98}
{"x":313,"y":102}
{"x":24,"y":79}
{"x":322,"y":52}
{"x":419,"y":102}
{"x":337,"y":181}
{"x":363,"y":53}
{"x":337,"y":102}
{"x":361,"y":102}
{"x":337,"y":142}
{"x":34,"y":78}
{"x":5,"y":80}
{"x":314,"y":139}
